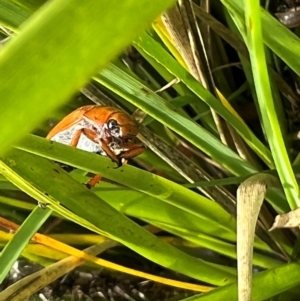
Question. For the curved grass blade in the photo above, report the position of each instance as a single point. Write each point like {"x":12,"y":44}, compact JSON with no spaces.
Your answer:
{"x":171,"y":219}
{"x":46,"y":176}
{"x":42,"y":196}
{"x":137,"y":179}
{"x":265,"y":285}
{"x":185,"y":225}
{"x":142,"y":181}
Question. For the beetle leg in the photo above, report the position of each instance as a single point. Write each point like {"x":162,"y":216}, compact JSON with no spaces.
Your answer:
{"x":92,"y":135}
{"x":108,"y":151}
{"x":93,"y":181}
{"x":102,"y":143}
{"x":76,"y":138}
{"x":97,"y":178}
{"x":134,"y":150}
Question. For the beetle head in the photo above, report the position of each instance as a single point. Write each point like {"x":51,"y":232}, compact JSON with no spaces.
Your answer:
{"x":120,"y":125}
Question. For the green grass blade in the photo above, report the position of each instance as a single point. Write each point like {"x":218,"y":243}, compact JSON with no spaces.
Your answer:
{"x":70,"y":55}
{"x":172,"y":219}
{"x":265,"y":285}
{"x":47,"y":177}
{"x":142,"y":206}
{"x":132,"y":177}
{"x":266,"y":103}
{"x":137,"y":179}
{"x":183,"y":224}
{"x":220,"y":247}
{"x":12,"y":14}
{"x":14,"y":248}
{"x":218,"y":182}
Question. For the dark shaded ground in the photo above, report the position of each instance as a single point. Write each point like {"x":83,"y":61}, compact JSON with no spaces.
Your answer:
{"x":90,"y":285}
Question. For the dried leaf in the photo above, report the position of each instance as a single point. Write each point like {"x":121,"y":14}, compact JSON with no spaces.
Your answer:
{"x":287,"y":220}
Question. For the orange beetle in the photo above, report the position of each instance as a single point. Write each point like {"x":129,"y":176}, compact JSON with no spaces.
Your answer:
{"x":104,"y":130}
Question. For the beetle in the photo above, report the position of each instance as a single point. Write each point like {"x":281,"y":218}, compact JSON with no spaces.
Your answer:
{"x":99,"y":129}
